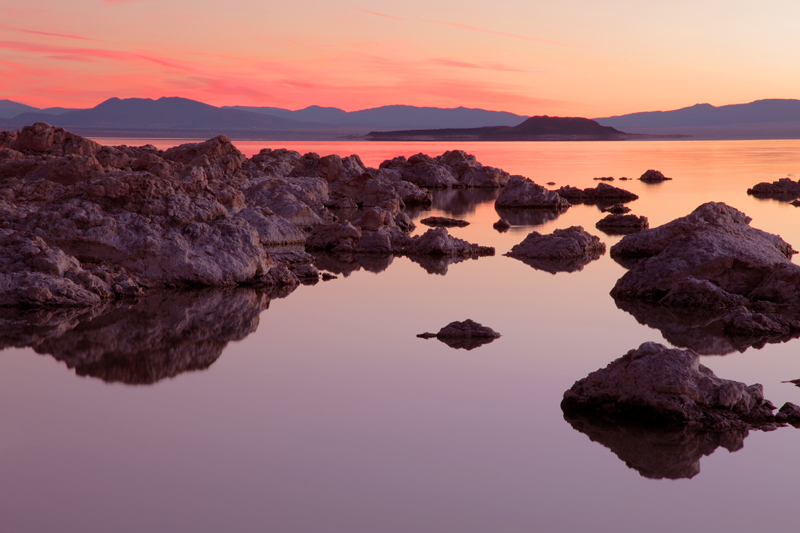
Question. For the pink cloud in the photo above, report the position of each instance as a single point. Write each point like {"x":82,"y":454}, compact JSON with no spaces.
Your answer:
{"x":377,"y":14}
{"x":502,"y":33}
{"x":48,"y":34}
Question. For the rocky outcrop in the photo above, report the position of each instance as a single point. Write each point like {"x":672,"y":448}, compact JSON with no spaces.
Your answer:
{"x":602,"y":194}
{"x":660,"y":386}
{"x":520,"y":192}
{"x":784,"y":189}
{"x":139,"y":341}
{"x":564,"y":250}
{"x":452,"y":169}
{"x":466,"y":335}
{"x":712,"y":264}
{"x":444,"y":222}
{"x":622,"y":224}
{"x":653,"y":176}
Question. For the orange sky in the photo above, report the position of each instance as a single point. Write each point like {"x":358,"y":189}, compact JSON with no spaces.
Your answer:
{"x":571,"y":57}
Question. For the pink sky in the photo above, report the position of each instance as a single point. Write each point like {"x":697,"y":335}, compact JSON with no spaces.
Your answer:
{"x":572,"y":57}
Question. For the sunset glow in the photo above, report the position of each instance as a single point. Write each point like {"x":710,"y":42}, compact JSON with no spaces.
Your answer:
{"x":575,"y":57}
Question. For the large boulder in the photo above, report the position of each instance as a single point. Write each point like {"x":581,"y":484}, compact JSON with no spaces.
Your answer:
{"x":657,"y":385}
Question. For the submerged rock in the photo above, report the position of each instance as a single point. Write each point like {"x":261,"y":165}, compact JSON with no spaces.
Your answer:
{"x":653,"y":176}
{"x":660,"y":386}
{"x":713,"y":265}
{"x":617,"y":209}
{"x":520,"y":192}
{"x":466,"y":335}
{"x":622,"y":224}
{"x":444,"y":222}
{"x":564,"y":250}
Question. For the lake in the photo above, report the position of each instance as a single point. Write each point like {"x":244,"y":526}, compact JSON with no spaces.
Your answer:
{"x":322,"y":410}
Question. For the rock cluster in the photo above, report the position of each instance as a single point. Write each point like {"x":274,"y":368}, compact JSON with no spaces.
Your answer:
{"x":711,"y":266}
{"x":82,"y":223}
{"x":564,"y":250}
{"x":783,"y":189}
{"x":660,"y":386}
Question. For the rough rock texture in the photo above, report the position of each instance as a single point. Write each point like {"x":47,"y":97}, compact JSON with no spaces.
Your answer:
{"x":452,"y":169}
{"x":658,"y":452}
{"x":711,"y":264}
{"x":139,"y":341}
{"x":783,"y":189}
{"x":653,"y":176}
{"x":444,"y":222}
{"x":466,"y":335}
{"x":660,"y":386}
{"x":603,"y":193}
{"x":622,"y":224}
{"x":438,"y":242}
{"x":564,"y":250}
{"x":522,"y":192}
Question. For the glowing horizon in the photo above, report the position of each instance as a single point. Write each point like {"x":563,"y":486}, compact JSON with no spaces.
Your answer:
{"x":578,"y":58}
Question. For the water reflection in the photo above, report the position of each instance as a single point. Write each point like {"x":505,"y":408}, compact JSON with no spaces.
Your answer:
{"x":139,"y":342}
{"x":462,"y":201}
{"x":658,"y":453}
{"x":574,"y":264}
{"x":466,"y":343}
{"x":347,"y":263}
{"x":702,"y":332}
{"x":529,"y":217}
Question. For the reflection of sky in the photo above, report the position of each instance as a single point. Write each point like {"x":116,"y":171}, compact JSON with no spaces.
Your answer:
{"x":333,"y":416}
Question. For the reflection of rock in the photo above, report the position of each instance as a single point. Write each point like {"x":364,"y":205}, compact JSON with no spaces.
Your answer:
{"x":140,"y":342}
{"x":346,"y":263}
{"x":658,"y":453}
{"x":702,"y":332}
{"x":467,"y":334}
{"x":437,"y":265}
{"x":564,"y":250}
{"x":444,"y":222}
{"x":460,"y":202}
{"x":657,"y":385}
{"x":529,"y":217}
{"x":616,"y":209}
{"x":712,"y":263}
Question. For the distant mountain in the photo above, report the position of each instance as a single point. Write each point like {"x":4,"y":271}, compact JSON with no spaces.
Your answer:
{"x":540,"y":128}
{"x":395,"y":117}
{"x":760,"y":119}
{"x":10,"y":109}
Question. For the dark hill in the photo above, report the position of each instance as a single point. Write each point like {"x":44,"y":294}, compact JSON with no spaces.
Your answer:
{"x":540,"y":128}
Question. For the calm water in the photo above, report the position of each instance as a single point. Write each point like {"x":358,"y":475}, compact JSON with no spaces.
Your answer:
{"x":321,"y":411}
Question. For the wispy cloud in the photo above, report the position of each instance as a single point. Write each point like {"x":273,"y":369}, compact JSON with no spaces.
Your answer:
{"x":47,"y":33}
{"x":501,"y":33}
{"x":368,"y":12}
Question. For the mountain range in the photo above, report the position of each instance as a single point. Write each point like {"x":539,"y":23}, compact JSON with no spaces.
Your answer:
{"x":183,"y":118}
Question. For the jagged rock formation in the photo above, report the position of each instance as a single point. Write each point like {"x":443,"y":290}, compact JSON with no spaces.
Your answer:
{"x":712,"y":265}
{"x":139,"y":341}
{"x":453,"y":169}
{"x":653,"y":176}
{"x":466,"y":335}
{"x":564,"y":250}
{"x":521,"y":192}
{"x":660,"y":386}
{"x":615,"y":224}
{"x":783,"y":189}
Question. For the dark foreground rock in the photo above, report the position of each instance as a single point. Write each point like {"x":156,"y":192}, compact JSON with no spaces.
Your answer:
{"x":622,"y":224}
{"x":139,"y":341}
{"x":660,"y":386}
{"x":564,"y":250}
{"x":653,"y":176}
{"x":711,"y":264}
{"x":784,"y":189}
{"x":658,"y":452}
{"x":520,"y":192}
{"x":465,"y":335}
{"x":444,"y":222}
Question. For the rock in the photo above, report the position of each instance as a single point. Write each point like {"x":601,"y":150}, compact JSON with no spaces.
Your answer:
{"x":795,"y":203}
{"x":337,"y":236}
{"x":466,"y":335}
{"x":606,"y":178}
{"x":622,"y":224}
{"x":711,"y":264}
{"x":783,"y":189}
{"x":564,"y":250}
{"x":653,"y":176}
{"x":522,"y":192}
{"x":44,"y":138}
{"x":793,"y":381}
{"x":658,"y":452}
{"x":616,"y":209}
{"x":452,"y":169}
{"x":660,"y":386}
{"x":789,"y":412}
{"x":438,"y":242}
{"x":502,"y":225}
{"x":603,"y":193}
{"x":273,"y":229}
{"x":550,"y":183}
{"x":444,"y":222}
{"x":141,"y":341}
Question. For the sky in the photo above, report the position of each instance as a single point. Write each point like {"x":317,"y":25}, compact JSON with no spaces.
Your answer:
{"x":565,"y":57}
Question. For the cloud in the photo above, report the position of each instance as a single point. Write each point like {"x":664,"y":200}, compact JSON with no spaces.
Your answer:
{"x":501,"y":33}
{"x":48,"y":34}
{"x":378,"y":14}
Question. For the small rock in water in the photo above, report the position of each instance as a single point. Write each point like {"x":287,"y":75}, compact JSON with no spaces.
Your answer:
{"x":622,"y":224}
{"x":444,"y":222}
{"x":551,"y":183}
{"x":608,"y":178}
{"x":617,"y":209}
{"x":653,"y":176}
{"x":502,"y":225}
{"x":466,"y":335}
